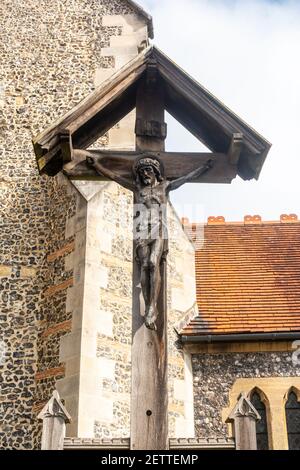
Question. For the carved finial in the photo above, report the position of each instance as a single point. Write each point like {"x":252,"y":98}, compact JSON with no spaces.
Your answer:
{"x":243,"y":408}
{"x":54,"y":409}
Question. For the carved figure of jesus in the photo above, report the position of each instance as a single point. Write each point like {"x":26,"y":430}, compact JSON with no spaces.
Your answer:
{"x":151,"y":191}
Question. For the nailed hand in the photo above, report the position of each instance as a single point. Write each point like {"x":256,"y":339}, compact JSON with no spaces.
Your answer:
{"x":210,"y":163}
{"x":90,"y":161}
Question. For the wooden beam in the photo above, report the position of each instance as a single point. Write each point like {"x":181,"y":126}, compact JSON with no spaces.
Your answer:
{"x":176,"y":164}
{"x":235,"y":148}
{"x":150,"y":107}
{"x":44,"y":160}
{"x":149,"y":376}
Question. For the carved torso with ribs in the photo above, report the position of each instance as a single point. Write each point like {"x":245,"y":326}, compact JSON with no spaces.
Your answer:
{"x":150,"y":211}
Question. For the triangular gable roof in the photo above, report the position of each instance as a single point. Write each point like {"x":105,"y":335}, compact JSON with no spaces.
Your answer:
{"x":191,"y":104}
{"x":146,"y":15}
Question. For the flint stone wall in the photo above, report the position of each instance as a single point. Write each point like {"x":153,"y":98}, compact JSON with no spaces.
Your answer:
{"x":214,"y":376}
{"x":51,"y":54}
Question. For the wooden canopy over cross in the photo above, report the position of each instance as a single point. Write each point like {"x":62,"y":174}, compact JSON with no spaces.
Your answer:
{"x":238,"y":148}
{"x":151,"y":83}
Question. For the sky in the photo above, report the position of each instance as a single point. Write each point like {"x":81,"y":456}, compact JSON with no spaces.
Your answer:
{"x":245,"y":52}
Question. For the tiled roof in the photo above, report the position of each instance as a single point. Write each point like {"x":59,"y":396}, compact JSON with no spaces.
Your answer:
{"x":247,"y":277}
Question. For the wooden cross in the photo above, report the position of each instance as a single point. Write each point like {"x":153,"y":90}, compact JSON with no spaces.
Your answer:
{"x":149,"y":392}
{"x":152,"y":83}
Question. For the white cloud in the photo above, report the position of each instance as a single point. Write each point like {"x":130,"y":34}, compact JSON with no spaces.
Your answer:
{"x":246,"y":52}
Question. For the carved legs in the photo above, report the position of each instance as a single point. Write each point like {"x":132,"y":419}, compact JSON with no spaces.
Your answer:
{"x":143,"y":256}
{"x":155,"y":283}
{"x":150,"y":258}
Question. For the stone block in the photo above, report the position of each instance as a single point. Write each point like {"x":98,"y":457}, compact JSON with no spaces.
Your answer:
{"x":190,"y":286}
{"x":69,"y":262}
{"x":179,"y":390}
{"x":86,"y":427}
{"x":106,"y":368}
{"x":70,"y":227}
{"x":126,"y":40}
{"x":81,"y":218}
{"x":76,"y":297}
{"x":104,"y":323}
{"x":128,"y":121}
{"x":101,"y":409}
{"x":78,"y":272}
{"x":122,"y":60}
{"x":71,"y":405}
{"x":103,"y":74}
{"x":122,"y":139}
{"x":88,"y":189}
{"x":184,"y":428}
{"x":71,"y":428}
{"x":96,"y":275}
{"x":27,"y":271}
{"x":70,"y":346}
{"x":5,"y":271}
{"x":87,"y":303}
{"x":119,"y":51}
{"x":105,"y":241}
{"x":89,"y":342}
{"x":180,"y":300}
{"x":90,"y":381}
{"x":68,"y":386}
{"x":19,"y":101}
{"x":73,"y":366}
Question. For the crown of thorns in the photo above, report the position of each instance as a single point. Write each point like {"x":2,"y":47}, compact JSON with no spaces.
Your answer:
{"x":146,"y":162}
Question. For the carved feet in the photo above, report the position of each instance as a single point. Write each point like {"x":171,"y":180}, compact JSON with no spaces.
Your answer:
{"x":151,"y":318}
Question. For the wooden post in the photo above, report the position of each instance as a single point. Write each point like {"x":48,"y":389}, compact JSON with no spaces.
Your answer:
{"x":54,"y":417}
{"x":149,"y":393}
{"x":244,"y":417}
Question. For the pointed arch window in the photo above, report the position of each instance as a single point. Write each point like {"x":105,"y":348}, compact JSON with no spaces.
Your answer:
{"x":292,"y":411}
{"x":261,"y":425}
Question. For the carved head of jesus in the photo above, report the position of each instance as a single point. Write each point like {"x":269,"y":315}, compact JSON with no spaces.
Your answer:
{"x":148,"y":170}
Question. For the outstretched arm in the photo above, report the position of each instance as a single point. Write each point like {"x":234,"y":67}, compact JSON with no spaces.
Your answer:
{"x":190,"y":176}
{"x":100,"y":169}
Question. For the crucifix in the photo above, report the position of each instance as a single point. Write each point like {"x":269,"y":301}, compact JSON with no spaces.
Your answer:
{"x":150,"y":183}
{"x":151,"y":189}
{"x":151,"y":83}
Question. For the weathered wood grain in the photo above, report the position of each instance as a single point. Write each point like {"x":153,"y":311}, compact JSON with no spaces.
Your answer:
{"x":176,"y":164}
{"x":207,"y":118}
{"x":149,"y":389}
{"x":54,"y":417}
{"x":243,"y":419}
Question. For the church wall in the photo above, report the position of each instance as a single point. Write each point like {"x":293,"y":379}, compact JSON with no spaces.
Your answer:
{"x":219,"y":378}
{"x":51,"y":55}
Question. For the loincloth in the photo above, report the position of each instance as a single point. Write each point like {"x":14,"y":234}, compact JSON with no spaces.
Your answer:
{"x":142,"y":242}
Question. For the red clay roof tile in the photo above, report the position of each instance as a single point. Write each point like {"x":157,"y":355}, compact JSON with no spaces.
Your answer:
{"x":247,"y":276}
